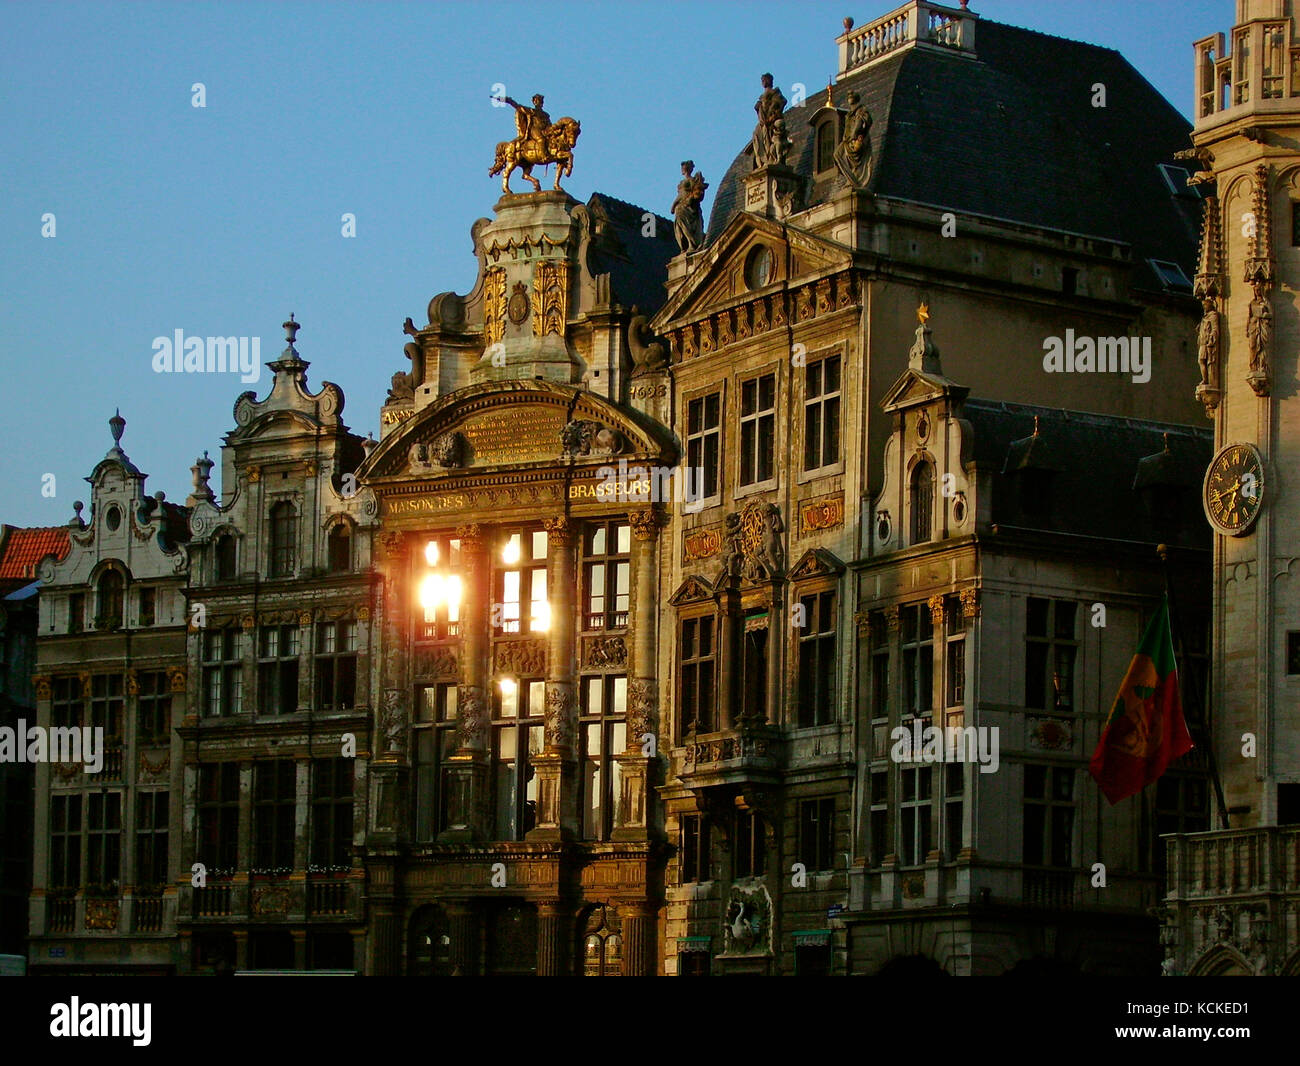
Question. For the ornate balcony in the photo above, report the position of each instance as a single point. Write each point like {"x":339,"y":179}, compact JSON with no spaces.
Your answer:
{"x":751,"y":755}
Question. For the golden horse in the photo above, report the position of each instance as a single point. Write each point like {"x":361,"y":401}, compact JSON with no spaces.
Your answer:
{"x":557,"y":147}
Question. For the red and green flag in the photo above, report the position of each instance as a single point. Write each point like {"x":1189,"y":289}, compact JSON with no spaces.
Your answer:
{"x":1146,"y":730}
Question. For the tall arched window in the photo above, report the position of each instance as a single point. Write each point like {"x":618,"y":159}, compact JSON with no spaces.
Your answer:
{"x":340,"y":548}
{"x":108,"y":613}
{"x":284,"y":539}
{"x":225,"y":551}
{"x":922,"y":502}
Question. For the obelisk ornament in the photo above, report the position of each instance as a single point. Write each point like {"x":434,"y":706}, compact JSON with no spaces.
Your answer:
{"x":539,"y":142}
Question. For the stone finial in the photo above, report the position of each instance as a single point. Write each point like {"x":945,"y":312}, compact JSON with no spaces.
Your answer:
{"x":848,"y":23}
{"x":291,"y":329}
{"x":201,"y":471}
{"x":369,"y":444}
{"x":116,"y":425}
{"x":77,"y":522}
{"x":1035,"y":425}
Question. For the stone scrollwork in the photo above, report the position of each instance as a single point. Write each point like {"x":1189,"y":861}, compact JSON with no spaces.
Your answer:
{"x":471,"y":711}
{"x":559,"y":701}
{"x":642,"y":707}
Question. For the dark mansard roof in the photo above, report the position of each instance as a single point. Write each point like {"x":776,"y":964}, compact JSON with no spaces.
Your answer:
{"x":1012,"y":133}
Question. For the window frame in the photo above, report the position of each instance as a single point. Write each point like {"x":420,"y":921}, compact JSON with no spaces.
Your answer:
{"x":709,"y":621}
{"x":820,"y":361}
{"x":759,"y":419}
{"x":282,"y":540}
{"x":698,"y":443}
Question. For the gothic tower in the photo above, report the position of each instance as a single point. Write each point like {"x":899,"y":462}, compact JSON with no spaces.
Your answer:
{"x":1247,"y":147}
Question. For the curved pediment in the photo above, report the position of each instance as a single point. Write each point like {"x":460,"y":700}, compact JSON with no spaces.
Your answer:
{"x":511,"y":424}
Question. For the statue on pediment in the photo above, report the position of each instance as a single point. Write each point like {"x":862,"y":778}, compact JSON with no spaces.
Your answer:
{"x":688,"y":218}
{"x":771,"y":145}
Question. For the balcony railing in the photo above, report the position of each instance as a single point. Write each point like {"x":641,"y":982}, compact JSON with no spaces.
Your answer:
{"x":1234,"y":862}
{"x":327,"y":897}
{"x":916,"y":22}
{"x":148,"y":913}
{"x":60,"y":912}
{"x":214,"y":901}
{"x":1050,"y":889}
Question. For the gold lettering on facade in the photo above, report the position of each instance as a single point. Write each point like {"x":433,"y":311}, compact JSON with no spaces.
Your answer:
{"x":824,"y":512}
{"x":391,"y":418}
{"x":701,"y":543}
{"x":427,"y":504}
{"x":515,"y":435}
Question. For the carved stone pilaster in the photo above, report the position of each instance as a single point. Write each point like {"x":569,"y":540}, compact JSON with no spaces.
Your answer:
{"x":554,"y":921}
{"x":1259,"y":275}
{"x":893,"y":618}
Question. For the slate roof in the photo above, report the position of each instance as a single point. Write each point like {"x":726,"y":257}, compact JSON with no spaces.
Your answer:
{"x":22,"y":549}
{"x":637,"y":265}
{"x":1096,"y":472}
{"x":1013,"y":134}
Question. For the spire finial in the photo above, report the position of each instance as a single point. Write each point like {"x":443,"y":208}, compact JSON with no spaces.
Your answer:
{"x":1166,"y":436}
{"x":1035,"y":425}
{"x":116,"y":425}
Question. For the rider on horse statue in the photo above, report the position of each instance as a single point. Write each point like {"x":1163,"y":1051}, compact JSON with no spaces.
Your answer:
{"x":539,"y":142}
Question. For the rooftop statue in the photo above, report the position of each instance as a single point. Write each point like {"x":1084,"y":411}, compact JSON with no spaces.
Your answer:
{"x":688,"y":219}
{"x":853,"y":153}
{"x":539,"y":141}
{"x":771,"y":144}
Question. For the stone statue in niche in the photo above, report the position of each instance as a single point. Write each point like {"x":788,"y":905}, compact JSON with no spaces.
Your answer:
{"x":1207,"y":347}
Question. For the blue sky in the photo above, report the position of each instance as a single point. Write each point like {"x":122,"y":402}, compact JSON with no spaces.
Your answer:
{"x":223,"y":219}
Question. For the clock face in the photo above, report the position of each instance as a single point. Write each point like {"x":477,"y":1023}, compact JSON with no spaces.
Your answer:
{"x":1234,"y":489}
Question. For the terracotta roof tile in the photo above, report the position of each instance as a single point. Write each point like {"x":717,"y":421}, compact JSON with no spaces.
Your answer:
{"x":22,"y":549}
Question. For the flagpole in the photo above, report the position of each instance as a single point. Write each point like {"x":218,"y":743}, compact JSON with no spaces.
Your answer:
{"x":1201,"y":719}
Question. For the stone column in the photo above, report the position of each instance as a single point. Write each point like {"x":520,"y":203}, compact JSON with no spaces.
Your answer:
{"x":554,"y":921}
{"x":632,"y":820}
{"x":731,"y":651}
{"x":639,"y":939}
{"x":389,"y":768}
{"x":383,"y":947}
{"x":469,"y":769}
{"x":463,"y":929}
{"x":556,"y":767}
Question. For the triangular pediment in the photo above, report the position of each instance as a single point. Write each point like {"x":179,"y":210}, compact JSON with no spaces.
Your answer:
{"x":916,"y":387}
{"x":693,"y":590}
{"x":816,"y":562}
{"x":720,"y":276}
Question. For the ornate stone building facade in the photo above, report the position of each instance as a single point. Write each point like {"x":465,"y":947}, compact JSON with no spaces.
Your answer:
{"x":111,"y":666}
{"x":593,"y":662}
